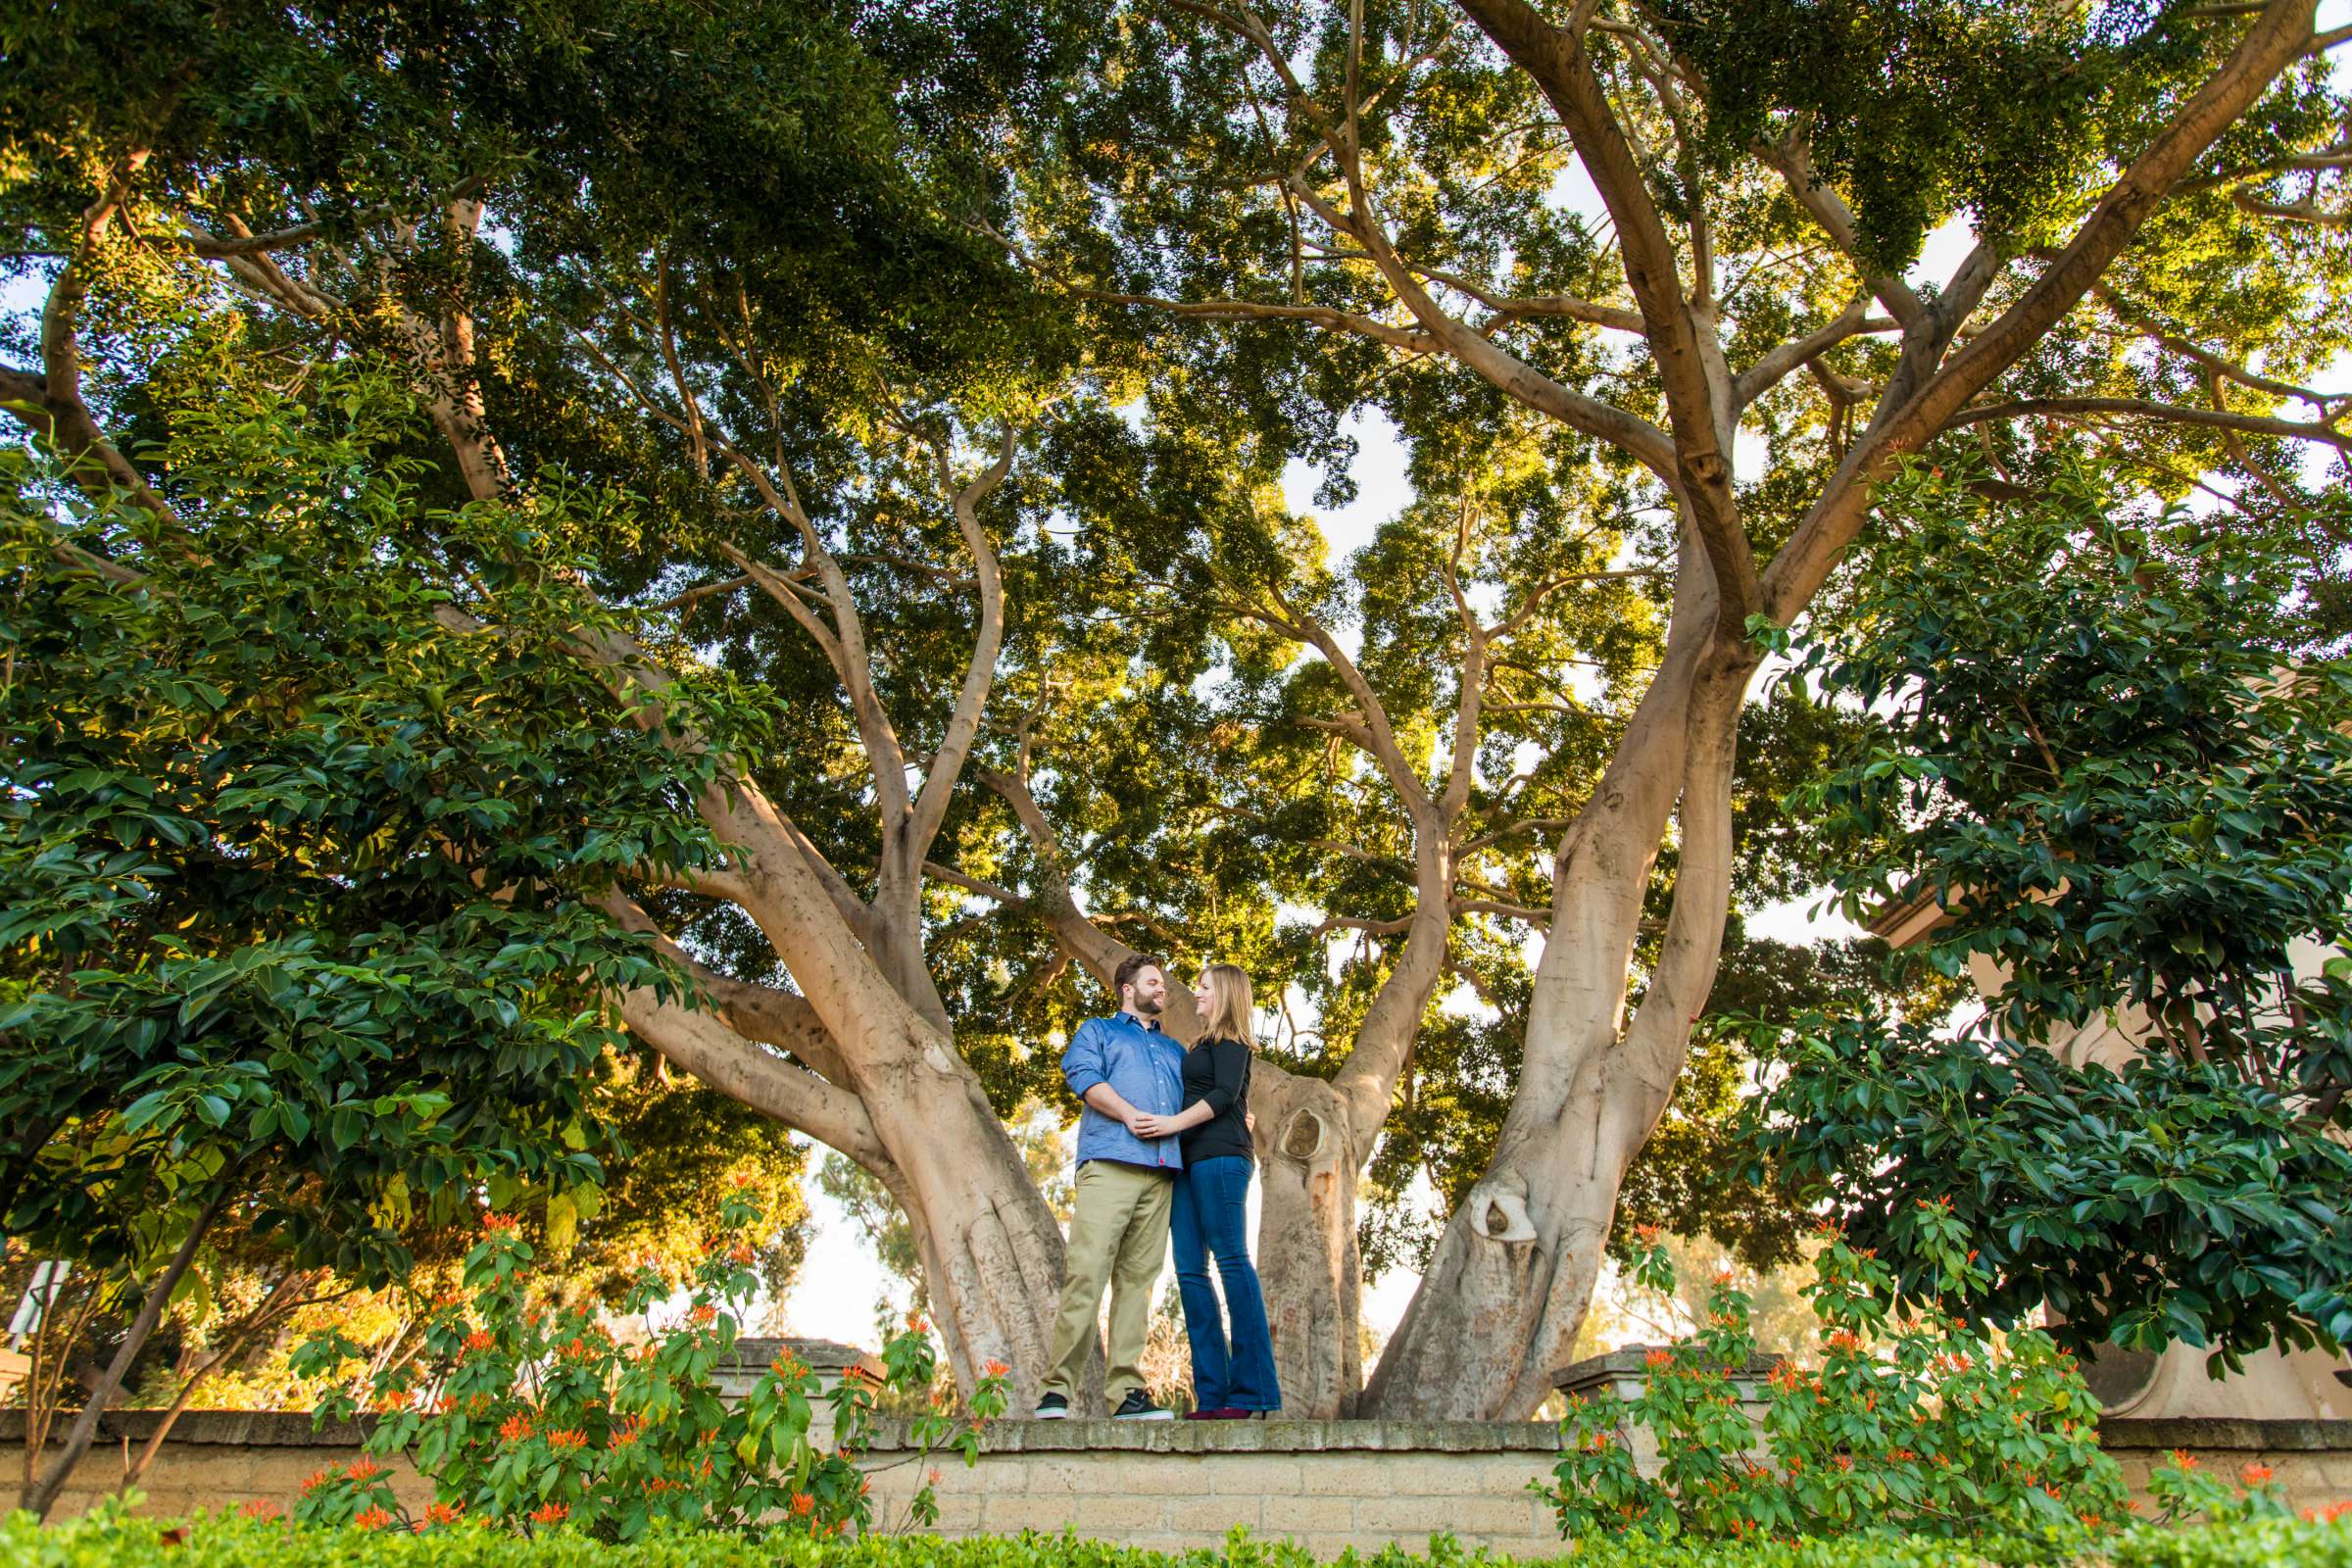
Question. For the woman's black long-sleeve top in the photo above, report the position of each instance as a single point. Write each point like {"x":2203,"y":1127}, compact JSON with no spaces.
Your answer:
{"x":1218,"y":1072}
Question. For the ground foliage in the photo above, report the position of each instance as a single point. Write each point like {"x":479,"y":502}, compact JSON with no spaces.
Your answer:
{"x":116,"y":1540}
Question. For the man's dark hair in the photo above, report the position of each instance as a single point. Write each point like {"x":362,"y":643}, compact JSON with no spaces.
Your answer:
{"x":1128,"y":969}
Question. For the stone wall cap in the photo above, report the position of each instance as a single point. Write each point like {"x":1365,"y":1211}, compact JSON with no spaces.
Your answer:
{"x":1277,"y":1436}
{"x":2273,"y":1435}
{"x":1633,"y":1361}
{"x":819,"y":1355}
{"x":247,"y":1429}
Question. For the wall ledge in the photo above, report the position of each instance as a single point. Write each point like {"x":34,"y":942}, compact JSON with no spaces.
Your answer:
{"x":2225,"y":1432}
{"x":293,"y":1429}
{"x":1250,"y":1437}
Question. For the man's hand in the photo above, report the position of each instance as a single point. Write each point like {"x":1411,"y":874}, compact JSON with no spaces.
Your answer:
{"x":1146,"y":1125}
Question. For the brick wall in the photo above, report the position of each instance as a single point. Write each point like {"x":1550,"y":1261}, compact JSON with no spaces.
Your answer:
{"x":1168,"y":1485}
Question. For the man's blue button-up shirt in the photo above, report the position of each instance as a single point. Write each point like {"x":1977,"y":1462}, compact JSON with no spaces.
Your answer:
{"x":1147,"y":1070}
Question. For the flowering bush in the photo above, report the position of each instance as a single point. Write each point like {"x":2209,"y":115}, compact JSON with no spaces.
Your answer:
{"x":526,"y":1418}
{"x":2184,"y":1489}
{"x":1914,"y":1424}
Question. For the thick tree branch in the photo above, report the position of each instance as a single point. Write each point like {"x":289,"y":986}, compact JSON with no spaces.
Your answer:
{"x":1682,"y":346}
{"x":940,"y":779}
{"x":2172,"y":413}
{"x":2273,"y":43}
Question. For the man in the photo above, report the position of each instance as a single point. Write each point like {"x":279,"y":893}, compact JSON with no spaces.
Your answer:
{"x":1125,"y":1070}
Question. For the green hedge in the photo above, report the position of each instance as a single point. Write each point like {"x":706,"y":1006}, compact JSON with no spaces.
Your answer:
{"x":233,"y":1542}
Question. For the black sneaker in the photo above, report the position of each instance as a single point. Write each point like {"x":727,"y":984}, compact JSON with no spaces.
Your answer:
{"x":1137,"y":1406}
{"x":1053,"y":1407}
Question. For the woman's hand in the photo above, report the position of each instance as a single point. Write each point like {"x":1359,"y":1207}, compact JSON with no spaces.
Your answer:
{"x":1146,"y":1125}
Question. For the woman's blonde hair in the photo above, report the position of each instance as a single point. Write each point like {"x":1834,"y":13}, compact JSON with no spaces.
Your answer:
{"x":1230,"y":1009}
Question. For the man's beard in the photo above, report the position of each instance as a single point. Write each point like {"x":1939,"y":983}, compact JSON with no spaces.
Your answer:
{"x":1149,"y":1007}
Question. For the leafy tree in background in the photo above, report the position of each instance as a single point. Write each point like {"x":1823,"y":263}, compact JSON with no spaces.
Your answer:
{"x":736,"y":258}
{"x":1312,"y":210}
{"x":2102,"y":744}
{"x":722,"y":275}
{"x":300,"y":924}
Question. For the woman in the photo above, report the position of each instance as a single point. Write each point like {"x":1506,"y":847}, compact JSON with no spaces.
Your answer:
{"x":1233,"y":1376}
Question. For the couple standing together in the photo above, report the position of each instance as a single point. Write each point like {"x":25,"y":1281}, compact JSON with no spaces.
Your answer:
{"x":1163,"y":1146}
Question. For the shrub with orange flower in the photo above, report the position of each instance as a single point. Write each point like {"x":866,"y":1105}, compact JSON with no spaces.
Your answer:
{"x":1846,"y":1443}
{"x":512,"y":1361}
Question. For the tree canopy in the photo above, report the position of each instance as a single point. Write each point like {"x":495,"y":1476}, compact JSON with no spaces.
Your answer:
{"x":953,"y":358}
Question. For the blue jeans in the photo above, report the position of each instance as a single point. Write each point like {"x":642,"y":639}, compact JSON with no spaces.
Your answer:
{"x":1210,"y":1220}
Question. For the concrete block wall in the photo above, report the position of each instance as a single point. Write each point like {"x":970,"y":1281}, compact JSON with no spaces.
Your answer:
{"x":1170,"y":1485}
{"x":1175,"y":1486}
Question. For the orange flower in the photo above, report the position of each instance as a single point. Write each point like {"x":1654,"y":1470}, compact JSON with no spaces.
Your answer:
{"x":1845,"y":1340}
{"x":626,"y":1433}
{"x":260,"y":1508}
{"x":2255,"y":1475}
{"x":994,"y":1369}
{"x":705,"y":1313}
{"x":444,"y":1403}
{"x":1647,"y":1235}
{"x":478,"y":1339}
{"x":1659,"y":1359}
{"x":570,"y":1438}
{"x":499,"y":1224}
{"x":740,"y":1253}
{"x":787,"y":1365}
{"x":443,"y":1513}
{"x":803,"y":1504}
{"x":915,"y":1323}
{"x":515,"y":1429}
{"x":2185,"y":1459}
{"x":552,"y":1513}
{"x":366,"y":1470}
{"x":316,"y":1479}
{"x":375,"y":1518}
{"x":1722,"y":1277}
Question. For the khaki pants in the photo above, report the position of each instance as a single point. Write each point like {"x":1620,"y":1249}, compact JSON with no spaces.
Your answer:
{"x":1119,"y":1237}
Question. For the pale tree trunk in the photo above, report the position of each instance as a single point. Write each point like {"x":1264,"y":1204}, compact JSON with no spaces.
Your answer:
{"x":1308,"y":1164}
{"x":1507,"y":1289}
{"x":878,"y":1082}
